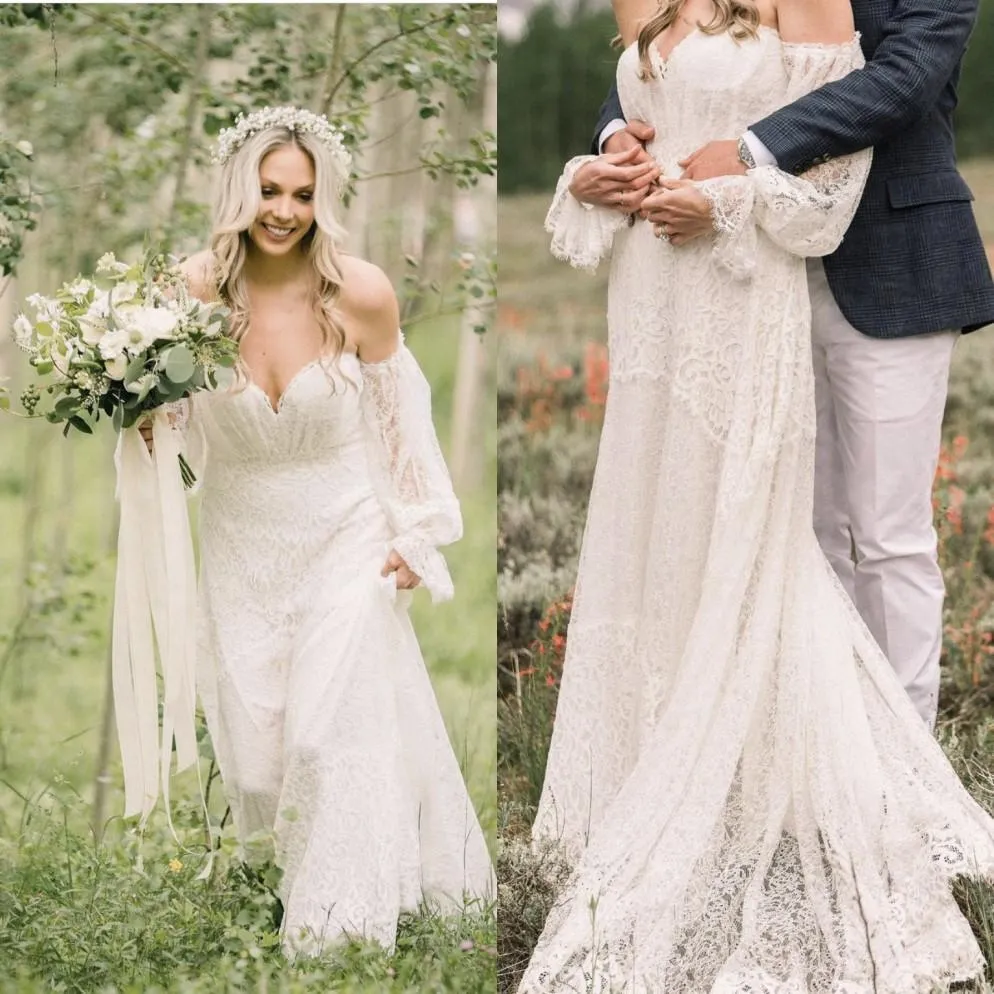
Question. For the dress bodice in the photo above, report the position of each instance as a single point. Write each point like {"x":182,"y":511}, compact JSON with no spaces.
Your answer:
{"x":317,"y":414}
{"x":701,"y":91}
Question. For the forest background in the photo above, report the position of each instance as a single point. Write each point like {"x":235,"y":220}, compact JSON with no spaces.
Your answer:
{"x":107,"y":116}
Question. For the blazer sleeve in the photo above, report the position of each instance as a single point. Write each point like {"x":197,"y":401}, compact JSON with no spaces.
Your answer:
{"x":610,"y":111}
{"x":922,"y":46}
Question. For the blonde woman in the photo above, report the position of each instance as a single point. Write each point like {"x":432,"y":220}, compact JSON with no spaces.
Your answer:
{"x":324,"y":501}
{"x":751,"y":800}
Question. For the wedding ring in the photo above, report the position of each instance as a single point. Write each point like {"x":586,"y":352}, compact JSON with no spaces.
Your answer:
{"x":661,"y":233}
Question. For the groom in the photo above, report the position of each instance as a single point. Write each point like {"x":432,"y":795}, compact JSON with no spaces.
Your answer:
{"x":887,"y":306}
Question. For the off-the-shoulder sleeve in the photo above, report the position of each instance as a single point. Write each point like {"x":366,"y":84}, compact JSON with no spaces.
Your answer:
{"x":808,"y":214}
{"x":409,"y":472}
{"x":581,"y":233}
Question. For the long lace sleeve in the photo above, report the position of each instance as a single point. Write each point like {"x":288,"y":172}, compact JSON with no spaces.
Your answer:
{"x":807,"y":214}
{"x":409,"y":472}
{"x":581,"y":233}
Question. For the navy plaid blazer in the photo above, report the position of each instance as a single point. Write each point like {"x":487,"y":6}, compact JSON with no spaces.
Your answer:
{"x":913,"y":260}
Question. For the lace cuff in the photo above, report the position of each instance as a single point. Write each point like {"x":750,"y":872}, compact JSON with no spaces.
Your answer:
{"x":809,"y":214}
{"x":408,"y":469}
{"x":582,"y":234}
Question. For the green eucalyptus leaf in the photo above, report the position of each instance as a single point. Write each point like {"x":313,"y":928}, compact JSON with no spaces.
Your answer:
{"x":80,"y":425}
{"x":179,"y":365}
{"x":135,"y":369}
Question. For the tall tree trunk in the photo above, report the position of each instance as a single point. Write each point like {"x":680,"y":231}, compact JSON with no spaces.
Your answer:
{"x":475,"y":228}
{"x":335,"y":60}
{"x":205,"y":14}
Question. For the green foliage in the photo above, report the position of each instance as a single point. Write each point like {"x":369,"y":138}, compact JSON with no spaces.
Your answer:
{"x":555,"y":77}
{"x":18,"y":203}
{"x":77,"y":916}
{"x":123,"y":102}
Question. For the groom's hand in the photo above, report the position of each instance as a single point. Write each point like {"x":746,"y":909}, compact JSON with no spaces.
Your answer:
{"x":715,"y":159}
{"x":678,"y":211}
{"x":616,"y":180}
{"x":635,"y":134}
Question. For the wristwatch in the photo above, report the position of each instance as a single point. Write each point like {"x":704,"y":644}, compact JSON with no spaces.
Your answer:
{"x":745,"y":154}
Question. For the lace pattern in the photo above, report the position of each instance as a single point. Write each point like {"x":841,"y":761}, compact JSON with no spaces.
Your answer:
{"x":751,"y":803}
{"x":409,"y":469}
{"x":806,"y":215}
{"x":319,"y":706}
{"x":581,"y":233}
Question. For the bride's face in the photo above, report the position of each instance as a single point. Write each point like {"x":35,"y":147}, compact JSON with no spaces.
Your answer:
{"x":286,"y":207}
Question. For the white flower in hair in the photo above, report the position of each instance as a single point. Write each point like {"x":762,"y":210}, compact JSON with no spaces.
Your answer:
{"x":294,"y":119}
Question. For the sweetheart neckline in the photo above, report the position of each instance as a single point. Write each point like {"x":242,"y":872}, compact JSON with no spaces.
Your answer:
{"x":281,"y":401}
{"x":665,"y":60}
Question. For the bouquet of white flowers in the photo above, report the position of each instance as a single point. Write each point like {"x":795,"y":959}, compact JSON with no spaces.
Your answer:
{"x":123,"y":343}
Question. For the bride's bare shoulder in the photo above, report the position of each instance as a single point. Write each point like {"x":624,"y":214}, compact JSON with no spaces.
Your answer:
{"x":631,"y":16}
{"x":826,"y":22}
{"x":199,"y":272}
{"x":369,"y":305}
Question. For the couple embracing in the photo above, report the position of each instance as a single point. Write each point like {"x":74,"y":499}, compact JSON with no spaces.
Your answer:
{"x":751,"y":791}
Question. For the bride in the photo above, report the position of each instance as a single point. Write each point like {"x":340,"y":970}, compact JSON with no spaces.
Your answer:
{"x":752,"y":803}
{"x":325,"y":497}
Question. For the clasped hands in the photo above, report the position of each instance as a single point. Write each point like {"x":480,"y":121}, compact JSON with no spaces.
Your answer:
{"x":627,"y":179}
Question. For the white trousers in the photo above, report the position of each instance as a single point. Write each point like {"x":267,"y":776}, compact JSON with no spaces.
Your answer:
{"x":880,"y":404}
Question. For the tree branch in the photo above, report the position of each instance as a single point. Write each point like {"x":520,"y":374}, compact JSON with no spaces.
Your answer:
{"x":402,"y":33}
{"x":122,"y":28}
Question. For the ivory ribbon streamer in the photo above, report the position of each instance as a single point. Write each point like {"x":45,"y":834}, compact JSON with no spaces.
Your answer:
{"x":154,"y":607}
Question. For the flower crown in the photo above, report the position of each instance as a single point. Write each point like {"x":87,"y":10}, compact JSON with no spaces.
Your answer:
{"x":230,"y":140}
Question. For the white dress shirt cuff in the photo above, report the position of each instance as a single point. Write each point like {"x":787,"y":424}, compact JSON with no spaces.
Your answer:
{"x":762,"y":155}
{"x":611,"y":128}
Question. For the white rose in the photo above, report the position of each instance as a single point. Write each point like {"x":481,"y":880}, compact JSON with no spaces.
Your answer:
{"x":153,"y":323}
{"x":23,"y":332}
{"x":93,"y":324}
{"x":113,"y":343}
{"x":116,"y":367}
{"x":123,"y":292}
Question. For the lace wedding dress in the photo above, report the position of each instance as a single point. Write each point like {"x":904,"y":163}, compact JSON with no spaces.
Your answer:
{"x":752,"y":803}
{"x":322,"y":716}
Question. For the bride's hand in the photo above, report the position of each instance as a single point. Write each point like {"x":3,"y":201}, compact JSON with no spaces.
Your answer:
{"x":145,"y":427}
{"x":678,"y":211}
{"x":618,"y":180}
{"x":407,"y":579}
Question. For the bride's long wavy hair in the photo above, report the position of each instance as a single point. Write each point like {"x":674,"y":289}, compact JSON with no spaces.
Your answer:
{"x":236,"y":207}
{"x":740,"y":18}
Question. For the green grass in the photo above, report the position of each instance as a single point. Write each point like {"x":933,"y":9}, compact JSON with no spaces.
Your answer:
{"x":75,"y":914}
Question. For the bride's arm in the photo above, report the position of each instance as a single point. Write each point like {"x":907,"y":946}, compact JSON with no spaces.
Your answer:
{"x":197,"y":273}
{"x":405,"y":459}
{"x":631,"y":16}
{"x":807,"y":214}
